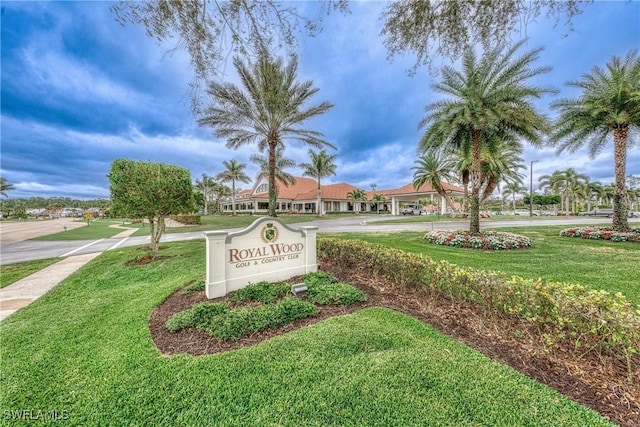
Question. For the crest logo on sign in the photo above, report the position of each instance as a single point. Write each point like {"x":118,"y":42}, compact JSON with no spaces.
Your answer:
{"x":269,"y":233}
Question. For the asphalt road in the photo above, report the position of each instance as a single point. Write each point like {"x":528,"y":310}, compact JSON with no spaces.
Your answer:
{"x":14,"y":250}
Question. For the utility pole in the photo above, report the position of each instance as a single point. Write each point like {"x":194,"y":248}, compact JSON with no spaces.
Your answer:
{"x":531,"y":188}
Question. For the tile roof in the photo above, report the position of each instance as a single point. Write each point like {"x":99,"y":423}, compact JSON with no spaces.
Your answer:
{"x":306,"y":189}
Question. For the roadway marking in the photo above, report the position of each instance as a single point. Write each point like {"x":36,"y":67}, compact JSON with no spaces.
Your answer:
{"x":80,"y":248}
{"x":118,"y":244}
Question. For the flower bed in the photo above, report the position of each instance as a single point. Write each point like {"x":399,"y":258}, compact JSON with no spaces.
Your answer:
{"x":489,"y":240}
{"x":603,"y":233}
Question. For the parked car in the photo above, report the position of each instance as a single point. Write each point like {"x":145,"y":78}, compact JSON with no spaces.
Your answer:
{"x":412,"y":209}
{"x":598,"y":212}
{"x":634,"y":214}
{"x":525,"y":213}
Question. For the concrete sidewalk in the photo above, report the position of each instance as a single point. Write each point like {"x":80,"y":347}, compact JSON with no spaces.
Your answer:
{"x":24,"y":291}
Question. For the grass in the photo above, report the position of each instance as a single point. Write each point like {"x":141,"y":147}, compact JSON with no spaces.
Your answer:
{"x":98,"y":229}
{"x":597,"y":264}
{"x":11,"y":273}
{"x":84,"y":350}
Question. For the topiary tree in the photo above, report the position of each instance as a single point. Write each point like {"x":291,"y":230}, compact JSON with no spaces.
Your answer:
{"x":152,"y":191}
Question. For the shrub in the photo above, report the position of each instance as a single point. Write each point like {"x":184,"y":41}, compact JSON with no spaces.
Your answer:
{"x":488,"y":240}
{"x":264,"y":292}
{"x":197,"y":315}
{"x":319,"y":278}
{"x":240,"y":322}
{"x":599,"y":319}
{"x":335,"y":294}
{"x":602,"y":233}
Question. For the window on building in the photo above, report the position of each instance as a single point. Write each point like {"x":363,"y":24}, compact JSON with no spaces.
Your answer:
{"x":262,"y":188}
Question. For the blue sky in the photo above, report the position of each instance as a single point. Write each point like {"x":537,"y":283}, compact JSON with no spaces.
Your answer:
{"x":79,"y":90}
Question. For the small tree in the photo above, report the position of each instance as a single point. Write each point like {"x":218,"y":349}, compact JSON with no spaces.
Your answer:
{"x":152,"y":191}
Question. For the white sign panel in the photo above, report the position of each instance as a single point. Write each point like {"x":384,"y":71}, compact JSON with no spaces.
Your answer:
{"x":266,"y":250}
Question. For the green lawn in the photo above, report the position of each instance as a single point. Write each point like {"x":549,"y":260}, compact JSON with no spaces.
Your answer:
{"x":596,"y":264}
{"x":11,"y":273}
{"x":84,"y":350}
{"x":98,"y":229}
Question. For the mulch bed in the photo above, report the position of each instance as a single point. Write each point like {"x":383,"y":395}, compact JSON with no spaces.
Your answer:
{"x":597,"y":381}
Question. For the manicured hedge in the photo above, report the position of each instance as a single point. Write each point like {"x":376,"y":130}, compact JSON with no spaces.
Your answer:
{"x":593,"y":319}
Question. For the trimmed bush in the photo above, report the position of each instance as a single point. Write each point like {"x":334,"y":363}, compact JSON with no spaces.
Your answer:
{"x":487,"y":240}
{"x":319,"y":278}
{"x":335,"y":294}
{"x":597,"y":320}
{"x":603,"y":233}
{"x":264,"y":292}
{"x":197,"y":315}
{"x":240,"y":322}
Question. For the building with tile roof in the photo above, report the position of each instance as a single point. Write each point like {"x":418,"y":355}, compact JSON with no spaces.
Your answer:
{"x":302,"y":197}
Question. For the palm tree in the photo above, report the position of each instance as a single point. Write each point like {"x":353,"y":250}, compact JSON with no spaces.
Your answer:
{"x":594,"y":192}
{"x":233,"y":172}
{"x":433,"y":168}
{"x":513,"y":189}
{"x":564,"y":183}
{"x":5,"y":186}
{"x":357,"y":195}
{"x":281,"y":163}
{"x":609,"y":103}
{"x":321,"y":166}
{"x":490,"y":98}
{"x":378,"y":199}
{"x":269,"y":110}
{"x":205,"y":185}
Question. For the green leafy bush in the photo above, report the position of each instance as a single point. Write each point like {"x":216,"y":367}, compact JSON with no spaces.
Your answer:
{"x":335,"y":294}
{"x":197,"y":315}
{"x":319,"y":278}
{"x":264,"y":292}
{"x":240,"y":322}
{"x":597,"y":320}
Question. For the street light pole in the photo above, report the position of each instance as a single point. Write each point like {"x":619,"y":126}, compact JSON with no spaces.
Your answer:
{"x":531,"y":188}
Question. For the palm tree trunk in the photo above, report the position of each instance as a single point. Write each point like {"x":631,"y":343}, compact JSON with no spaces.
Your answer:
{"x":273,"y":198}
{"x":319,"y":195}
{"x":465,"y":188}
{"x":620,"y":208}
{"x":474,"y":205}
{"x":233,"y":197}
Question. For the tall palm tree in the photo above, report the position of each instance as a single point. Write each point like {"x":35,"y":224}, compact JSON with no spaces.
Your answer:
{"x":609,"y":104}
{"x":234,"y":172}
{"x":357,"y":195}
{"x":321,"y":166}
{"x":513,"y":189}
{"x":433,"y":168}
{"x":281,"y":163}
{"x":5,"y":186}
{"x":269,"y":110}
{"x":490,"y":97}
